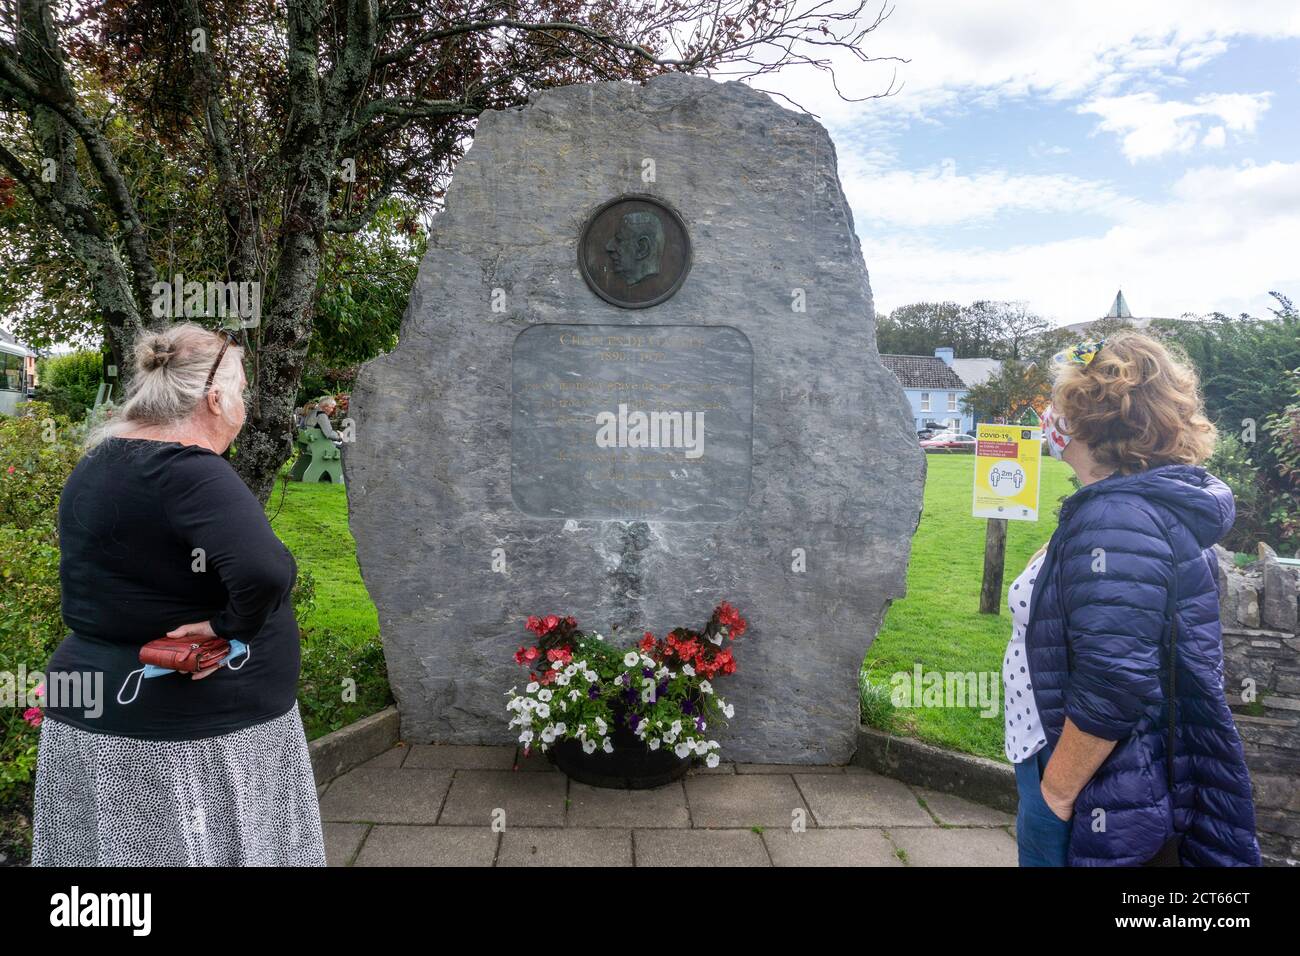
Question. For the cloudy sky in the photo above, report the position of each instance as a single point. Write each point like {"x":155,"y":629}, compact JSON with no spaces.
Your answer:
{"x":1053,"y":152}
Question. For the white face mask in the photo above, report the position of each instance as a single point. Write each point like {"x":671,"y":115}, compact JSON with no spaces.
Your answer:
{"x":1052,"y":431}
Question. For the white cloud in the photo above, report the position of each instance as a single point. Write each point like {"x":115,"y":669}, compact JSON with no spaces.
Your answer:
{"x":1150,"y":127}
{"x":1223,"y":238}
{"x":940,"y":196}
{"x":965,"y":54}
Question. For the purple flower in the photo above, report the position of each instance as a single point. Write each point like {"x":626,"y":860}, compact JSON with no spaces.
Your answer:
{"x":593,"y":692}
{"x":661,"y":689}
{"x":647,"y":672}
{"x":633,"y":721}
{"x":699,"y":723}
{"x":688,"y":707}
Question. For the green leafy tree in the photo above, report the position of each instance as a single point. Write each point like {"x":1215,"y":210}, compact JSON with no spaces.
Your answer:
{"x":280,"y":127}
{"x":70,"y":383}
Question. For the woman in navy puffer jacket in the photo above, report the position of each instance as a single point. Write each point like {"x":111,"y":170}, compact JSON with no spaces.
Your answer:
{"x":1128,"y":556}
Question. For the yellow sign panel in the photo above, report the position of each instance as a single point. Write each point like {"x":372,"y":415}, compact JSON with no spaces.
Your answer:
{"x":1007,"y":459}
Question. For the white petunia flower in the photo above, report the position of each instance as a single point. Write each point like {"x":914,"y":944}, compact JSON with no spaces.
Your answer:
{"x":601,"y":726}
{"x":591,"y":676}
{"x":688,"y":670}
{"x":728,"y":711}
{"x":543,"y":711}
{"x":532,"y":688}
{"x":629,"y":659}
{"x":562,"y":680}
{"x":526,"y":737}
{"x":589,"y":746}
{"x":706,"y":687}
{"x":573,"y":695}
{"x":544,"y":694}
{"x":653,"y":743}
{"x":682,"y":750}
{"x":676,"y":727}
{"x":608,"y":747}
{"x":712,"y":760}
{"x":560,"y":728}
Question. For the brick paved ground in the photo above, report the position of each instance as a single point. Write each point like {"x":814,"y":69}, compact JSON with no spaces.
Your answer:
{"x":435,"y":805}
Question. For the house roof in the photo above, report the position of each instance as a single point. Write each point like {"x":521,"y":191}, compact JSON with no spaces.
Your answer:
{"x":922,"y":371}
{"x":976,"y":371}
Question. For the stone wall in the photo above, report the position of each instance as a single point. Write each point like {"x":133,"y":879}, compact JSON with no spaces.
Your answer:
{"x":1261,"y":651}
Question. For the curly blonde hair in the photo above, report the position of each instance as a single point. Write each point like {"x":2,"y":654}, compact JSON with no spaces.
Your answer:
{"x":1135,"y":405}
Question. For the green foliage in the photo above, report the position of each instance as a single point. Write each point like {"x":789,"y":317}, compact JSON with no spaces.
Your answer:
{"x":340,"y":682}
{"x":33,"y":469}
{"x":1284,"y":428}
{"x":1245,"y":365}
{"x":1232,"y":465}
{"x":982,"y":329}
{"x":1015,"y":389}
{"x":70,"y":383}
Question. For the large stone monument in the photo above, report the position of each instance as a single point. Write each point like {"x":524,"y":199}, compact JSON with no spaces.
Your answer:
{"x":637,"y":377}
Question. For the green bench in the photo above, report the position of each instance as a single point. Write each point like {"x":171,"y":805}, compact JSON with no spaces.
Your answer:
{"x":319,"y":459}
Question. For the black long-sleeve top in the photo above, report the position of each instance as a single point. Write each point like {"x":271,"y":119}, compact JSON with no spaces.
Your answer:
{"x":154,"y":535}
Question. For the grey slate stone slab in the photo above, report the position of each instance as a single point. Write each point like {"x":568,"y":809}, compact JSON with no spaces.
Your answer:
{"x":458,"y":757}
{"x":601,"y":807}
{"x":386,"y":795}
{"x":342,"y":841}
{"x":698,"y":848}
{"x":429,"y":846}
{"x":567,"y":847}
{"x":744,"y":801}
{"x":528,"y":799}
{"x":840,"y":847}
{"x":940,"y":847}
{"x":954,"y":811}
{"x":836,"y":475}
{"x":861,"y":800}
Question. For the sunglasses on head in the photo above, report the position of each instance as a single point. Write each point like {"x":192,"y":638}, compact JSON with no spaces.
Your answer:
{"x":229,"y":338}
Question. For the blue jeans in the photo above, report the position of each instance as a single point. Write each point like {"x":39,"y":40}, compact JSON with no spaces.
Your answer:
{"x":1044,"y":838}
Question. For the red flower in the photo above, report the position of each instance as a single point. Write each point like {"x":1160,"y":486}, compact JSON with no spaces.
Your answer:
{"x":648,"y":642}
{"x":730,"y":618}
{"x":561,"y":654}
{"x":33,"y":716}
{"x":549,"y":623}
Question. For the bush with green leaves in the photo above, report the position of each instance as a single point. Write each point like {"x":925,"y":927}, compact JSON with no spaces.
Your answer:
{"x":70,"y":383}
{"x":38,"y":451}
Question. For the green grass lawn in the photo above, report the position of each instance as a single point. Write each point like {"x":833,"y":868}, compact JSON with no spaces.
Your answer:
{"x":938,"y":624}
{"x":313,"y":524}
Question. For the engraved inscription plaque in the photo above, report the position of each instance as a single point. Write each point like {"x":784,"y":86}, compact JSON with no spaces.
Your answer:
{"x":650,"y":422}
{"x":634,"y":252}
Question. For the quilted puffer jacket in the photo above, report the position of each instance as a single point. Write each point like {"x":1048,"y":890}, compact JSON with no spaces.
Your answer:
{"x":1097,"y":646}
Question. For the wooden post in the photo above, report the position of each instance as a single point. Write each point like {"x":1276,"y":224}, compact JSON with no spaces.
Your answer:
{"x":995,"y":549}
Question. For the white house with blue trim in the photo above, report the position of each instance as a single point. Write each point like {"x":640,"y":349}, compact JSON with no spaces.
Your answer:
{"x":934,"y":388}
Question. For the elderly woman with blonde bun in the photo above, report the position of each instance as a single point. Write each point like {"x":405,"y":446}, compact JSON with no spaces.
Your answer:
{"x":1125,"y":751}
{"x":159,"y":536}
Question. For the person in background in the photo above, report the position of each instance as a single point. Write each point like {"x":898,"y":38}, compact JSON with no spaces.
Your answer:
{"x":326,"y":406}
{"x":1116,"y":621}
{"x":159,"y":536}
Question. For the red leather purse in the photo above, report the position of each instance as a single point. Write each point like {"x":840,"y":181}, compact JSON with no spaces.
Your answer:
{"x":186,"y":654}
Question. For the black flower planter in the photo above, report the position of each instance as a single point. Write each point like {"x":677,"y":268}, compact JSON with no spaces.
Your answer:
{"x":632,"y":765}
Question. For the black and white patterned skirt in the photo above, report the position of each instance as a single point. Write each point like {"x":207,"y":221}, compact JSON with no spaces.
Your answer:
{"x":246,"y":798}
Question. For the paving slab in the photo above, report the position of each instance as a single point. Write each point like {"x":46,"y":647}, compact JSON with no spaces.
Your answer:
{"x":839,"y":847}
{"x":722,"y":767}
{"x":787,"y":768}
{"x":386,"y":795}
{"x":570,"y":846}
{"x":459,"y":757}
{"x":601,"y":807}
{"x":696,"y":848}
{"x":535,"y":762}
{"x":958,"y":811}
{"x":861,"y":800}
{"x":429,"y":846}
{"x":342,"y":841}
{"x":743,"y":800}
{"x":939,"y":846}
{"x":392,"y":757}
{"x":528,"y":799}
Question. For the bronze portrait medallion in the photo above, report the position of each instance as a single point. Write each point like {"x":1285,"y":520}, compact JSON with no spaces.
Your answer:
{"x":634,"y":252}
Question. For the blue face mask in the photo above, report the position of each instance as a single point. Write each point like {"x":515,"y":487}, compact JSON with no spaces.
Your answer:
{"x":237,"y":649}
